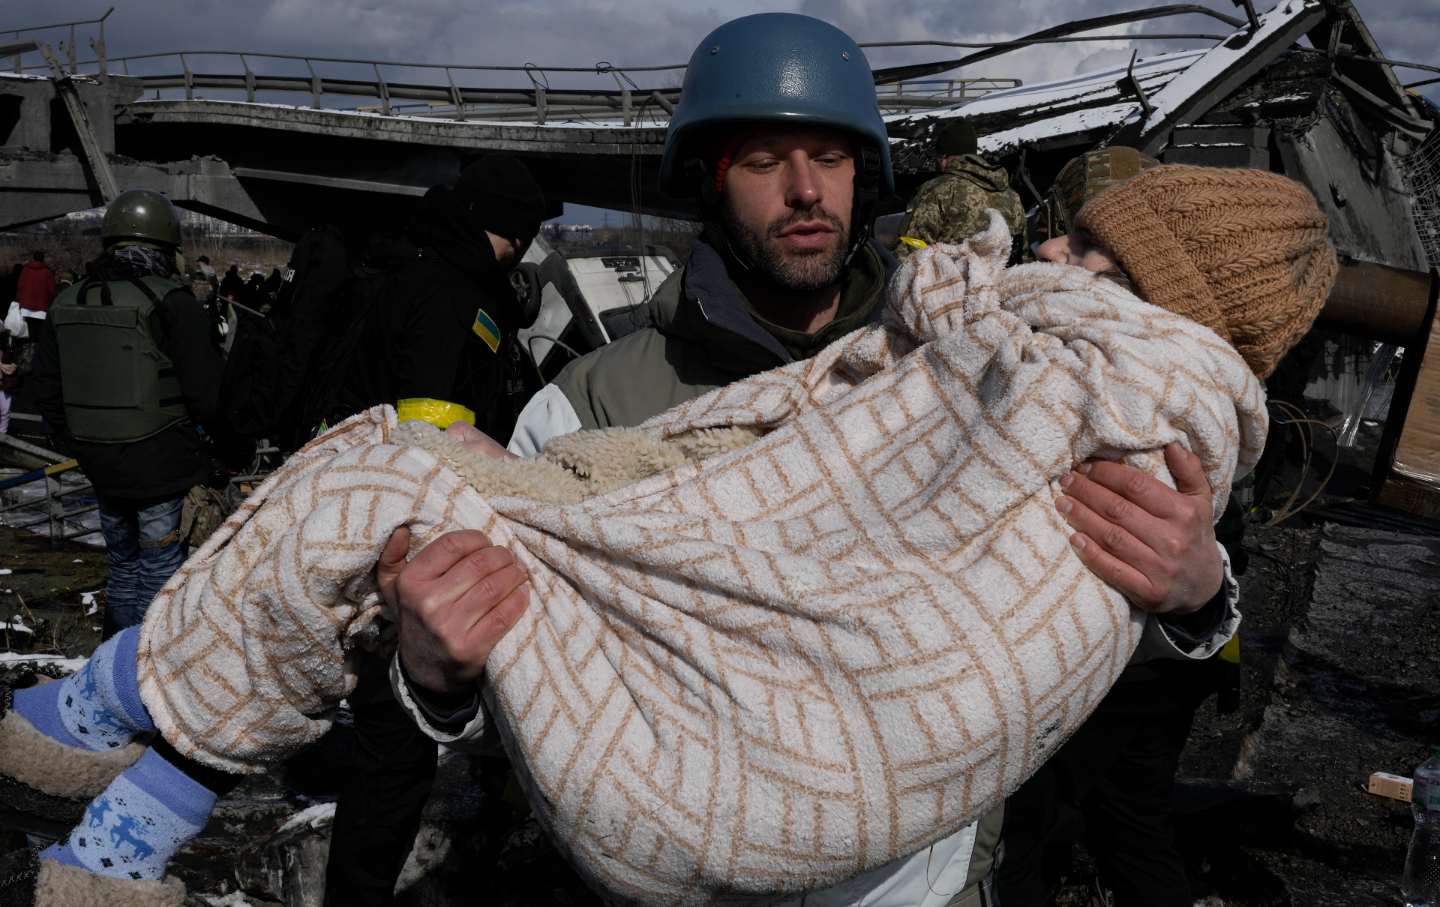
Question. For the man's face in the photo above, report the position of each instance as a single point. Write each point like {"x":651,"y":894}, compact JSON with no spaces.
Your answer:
{"x":787,"y":205}
{"x":507,"y":251}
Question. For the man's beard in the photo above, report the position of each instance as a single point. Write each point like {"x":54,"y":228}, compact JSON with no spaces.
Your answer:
{"x":799,"y":272}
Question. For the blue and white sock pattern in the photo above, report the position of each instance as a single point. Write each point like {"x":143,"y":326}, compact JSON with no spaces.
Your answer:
{"x":141,"y":820}
{"x":97,"y":707}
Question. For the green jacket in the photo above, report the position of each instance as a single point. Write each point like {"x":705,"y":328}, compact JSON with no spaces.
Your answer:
{"x":951,"y":207}
{"x":704,"y":335}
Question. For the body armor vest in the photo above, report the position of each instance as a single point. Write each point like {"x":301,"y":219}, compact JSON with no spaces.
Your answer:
{"x":118,"y":384}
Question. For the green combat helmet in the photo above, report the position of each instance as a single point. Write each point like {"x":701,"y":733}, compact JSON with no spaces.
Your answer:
{"x":141,"y":215}
{"x":1087,"y":176}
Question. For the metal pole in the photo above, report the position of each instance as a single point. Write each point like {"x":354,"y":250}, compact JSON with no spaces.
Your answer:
{"x":384,"y":90}
{"x":34,"y":450}
{"x":99,"y":49}
{"x":315,"y":84}
{"x":455,"y":98}
{"x":50,"y":512}
{"x":1249,"y":13}
{"x":249,"y":80}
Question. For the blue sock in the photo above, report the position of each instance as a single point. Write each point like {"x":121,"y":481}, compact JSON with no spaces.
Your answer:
{"x":97,"y":707}
{"x":141,"y":820}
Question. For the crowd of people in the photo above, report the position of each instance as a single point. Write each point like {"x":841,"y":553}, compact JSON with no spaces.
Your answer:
{"x":143,"y":375}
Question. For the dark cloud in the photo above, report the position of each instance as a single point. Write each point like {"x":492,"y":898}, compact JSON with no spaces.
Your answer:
{"x":647,"y":32}
{"x":1405,"y":29}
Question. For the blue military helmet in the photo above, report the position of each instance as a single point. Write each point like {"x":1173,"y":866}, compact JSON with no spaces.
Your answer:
{"x":781,"y":68}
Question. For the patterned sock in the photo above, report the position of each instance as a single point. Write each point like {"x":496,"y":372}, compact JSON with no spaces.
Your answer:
{"x":97,"y":707}
{"x":133,"y":829}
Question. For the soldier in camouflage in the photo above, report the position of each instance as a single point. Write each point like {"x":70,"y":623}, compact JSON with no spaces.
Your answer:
{"x":951,"y":207}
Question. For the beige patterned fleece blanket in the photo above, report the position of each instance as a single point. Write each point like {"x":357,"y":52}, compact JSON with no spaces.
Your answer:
{"x":766,"y":666}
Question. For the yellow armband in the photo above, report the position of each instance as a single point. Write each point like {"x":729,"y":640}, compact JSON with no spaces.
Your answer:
{"x":914,"y":243}
{"x":439,"y":413}
{"x":1231,"y":650}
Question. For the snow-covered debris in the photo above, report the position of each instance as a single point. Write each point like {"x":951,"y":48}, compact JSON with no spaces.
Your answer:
{"x":16,"y":625}
{"x":1072,"y":123}
{"x":1087,"y":88}
{"x":1225,"y":56}
{"x":70,"y":665}
{"x":311,"y":816}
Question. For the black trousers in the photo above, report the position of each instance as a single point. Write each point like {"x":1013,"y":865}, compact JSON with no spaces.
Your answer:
{"x":1113,"y":781}
{"x":381,"y":799}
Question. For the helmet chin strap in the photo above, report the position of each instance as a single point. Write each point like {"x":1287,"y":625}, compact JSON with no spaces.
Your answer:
{"x":866,"y":197}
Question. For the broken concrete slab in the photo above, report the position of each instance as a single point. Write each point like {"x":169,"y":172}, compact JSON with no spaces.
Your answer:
{"x":1355,"y":691}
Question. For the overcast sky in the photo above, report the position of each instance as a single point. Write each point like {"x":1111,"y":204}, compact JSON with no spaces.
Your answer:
{"x":636,"y":32}
{"x":648,"y":32}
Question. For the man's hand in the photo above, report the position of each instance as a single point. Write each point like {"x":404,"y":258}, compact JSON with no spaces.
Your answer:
{"x":454,"y":602}
{"x":1156,"y":545}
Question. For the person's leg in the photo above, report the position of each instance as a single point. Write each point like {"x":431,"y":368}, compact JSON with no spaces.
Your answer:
{"x":1037,"y":837}
{"x":119,"y":526}
{"x":144,"y":817}
{"x":62,"y":742}
{"x":1043,"y":818}
{"x":1128,"y":815}
{"x":161,"y":549}
{"x":381,"y":800}
{"x":96,"y":708}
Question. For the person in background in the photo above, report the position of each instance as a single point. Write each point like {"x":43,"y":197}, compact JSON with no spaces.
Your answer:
{"x":439,"y":345}
{"x":9,"y":376}
{"x":35,"y":286}
{"x":207,"y":270}
{"x":11,"y":283}
{"x":126,"y":396}
{"x":272,"y":286}
{"x":951,"y":207}
{"x":232,"y":286}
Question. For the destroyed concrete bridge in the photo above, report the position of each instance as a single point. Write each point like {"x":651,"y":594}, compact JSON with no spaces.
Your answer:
{"x":281,"y":148}
{"x":1301,"y":88}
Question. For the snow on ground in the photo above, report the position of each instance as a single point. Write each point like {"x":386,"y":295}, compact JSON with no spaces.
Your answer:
{"x":68,"y":664}
{"x":312,"y":816}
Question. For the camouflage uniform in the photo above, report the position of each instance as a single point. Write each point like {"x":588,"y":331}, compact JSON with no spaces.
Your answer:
{"x":951,"y":207}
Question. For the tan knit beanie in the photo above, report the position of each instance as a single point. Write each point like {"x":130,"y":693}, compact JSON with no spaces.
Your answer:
{"x":1243,"y":252}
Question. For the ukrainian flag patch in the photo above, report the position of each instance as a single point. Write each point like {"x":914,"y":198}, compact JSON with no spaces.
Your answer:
{"x":487,"y":330}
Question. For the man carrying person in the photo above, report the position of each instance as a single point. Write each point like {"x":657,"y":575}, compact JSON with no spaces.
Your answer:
{"x":786,"y":177}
